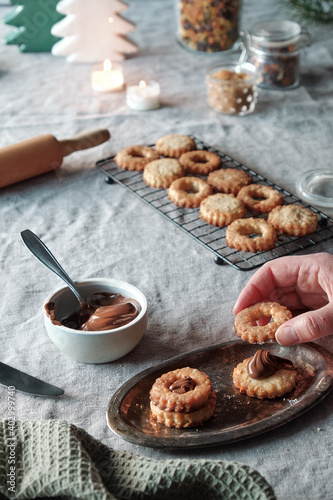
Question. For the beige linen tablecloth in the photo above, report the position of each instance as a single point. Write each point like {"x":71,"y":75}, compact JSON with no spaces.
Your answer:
{"x":100,"y":230}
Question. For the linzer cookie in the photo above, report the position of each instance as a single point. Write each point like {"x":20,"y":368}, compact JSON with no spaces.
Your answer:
{"x":251,"y":235}
{"x":259,"y":198}
{"x":188,"y":192}
{"x":229,"y":180}
{"x":293,"y":220}
{"x":221,"y":209}
{"x":265,"y":375}
{"x":246,"y":321}
{"x":200,"y":162}
{"x":161,"y":173}
{"x":135,"y":157}
{"x":173,"y":145}
{"x":182,"y":398}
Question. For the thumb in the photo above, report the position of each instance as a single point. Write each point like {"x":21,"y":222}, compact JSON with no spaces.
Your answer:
{"x":306,"y":327}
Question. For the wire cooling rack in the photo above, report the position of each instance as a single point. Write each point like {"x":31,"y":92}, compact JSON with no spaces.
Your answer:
{"x":213,"y":238}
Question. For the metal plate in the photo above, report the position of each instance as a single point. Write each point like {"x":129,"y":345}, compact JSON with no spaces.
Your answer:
{"x":237,"y":416}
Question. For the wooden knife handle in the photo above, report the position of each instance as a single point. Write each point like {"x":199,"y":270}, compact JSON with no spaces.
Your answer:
{"x":84,"y":140}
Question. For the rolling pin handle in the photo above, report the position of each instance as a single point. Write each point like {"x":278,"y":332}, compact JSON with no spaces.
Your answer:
{"x":84,"y":140}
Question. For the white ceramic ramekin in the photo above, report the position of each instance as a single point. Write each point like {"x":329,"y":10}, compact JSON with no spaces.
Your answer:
{"x":95,"y":347}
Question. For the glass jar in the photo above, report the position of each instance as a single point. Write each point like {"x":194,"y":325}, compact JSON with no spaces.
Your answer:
{"x":274,"y":48}
{"x":208,"y":25}
{"x":232,"y":88}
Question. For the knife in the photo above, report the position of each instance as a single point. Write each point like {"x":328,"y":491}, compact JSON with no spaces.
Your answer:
{"x":11,"y":377}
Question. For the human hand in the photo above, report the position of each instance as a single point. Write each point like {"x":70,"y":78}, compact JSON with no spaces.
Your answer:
{"x":299,"y":283}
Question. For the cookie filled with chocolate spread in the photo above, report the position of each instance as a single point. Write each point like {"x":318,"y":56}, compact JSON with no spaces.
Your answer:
{"x":182,"y":398}
{"x":265,"y":375}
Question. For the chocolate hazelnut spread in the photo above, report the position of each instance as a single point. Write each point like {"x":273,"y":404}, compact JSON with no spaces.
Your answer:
{"x":182,"y":385}
{"x":264,"y":364}
{"x":106,"y":313}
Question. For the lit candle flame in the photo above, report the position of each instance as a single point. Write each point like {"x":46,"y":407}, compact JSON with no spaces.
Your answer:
{"x":107,"y":65}
{"x":142,"y":84}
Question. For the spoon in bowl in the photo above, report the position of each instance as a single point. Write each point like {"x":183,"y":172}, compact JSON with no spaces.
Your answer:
{"x":43,"y":254}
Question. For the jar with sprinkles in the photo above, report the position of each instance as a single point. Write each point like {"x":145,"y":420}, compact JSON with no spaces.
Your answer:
{"x":208,"y":25}
{"x":274,"y":48}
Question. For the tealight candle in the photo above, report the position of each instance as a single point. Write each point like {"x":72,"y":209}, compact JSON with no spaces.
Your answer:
{"x":143,"y":97}
{"x":109,"y":78}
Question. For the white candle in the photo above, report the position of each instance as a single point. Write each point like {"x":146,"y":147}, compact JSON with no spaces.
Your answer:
{"x":143,"y":97}
{"x":109,"y":78}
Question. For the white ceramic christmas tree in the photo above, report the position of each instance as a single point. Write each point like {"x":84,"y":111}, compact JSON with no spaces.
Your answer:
{"x":92,"y":31}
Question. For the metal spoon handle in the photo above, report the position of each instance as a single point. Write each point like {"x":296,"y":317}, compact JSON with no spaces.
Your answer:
{"x":43,"y":254}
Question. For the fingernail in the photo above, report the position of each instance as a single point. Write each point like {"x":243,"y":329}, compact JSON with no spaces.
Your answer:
{"x":286,"y":335}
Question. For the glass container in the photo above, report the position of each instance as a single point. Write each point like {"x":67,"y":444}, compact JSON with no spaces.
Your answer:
{"x":316,"y":187}
{"x":208,"y":25}
{"x":232,"y":88}
{"x":274,"y":48}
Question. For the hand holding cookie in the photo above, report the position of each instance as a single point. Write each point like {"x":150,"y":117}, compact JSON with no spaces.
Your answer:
{"x":302,"y":283}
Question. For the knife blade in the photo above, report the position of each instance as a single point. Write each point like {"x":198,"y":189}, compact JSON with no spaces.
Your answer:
{"x":11,"y":377}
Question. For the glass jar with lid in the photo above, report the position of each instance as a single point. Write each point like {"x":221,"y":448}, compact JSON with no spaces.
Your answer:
{"x":208,"y":25}
{"x":274,"y":48}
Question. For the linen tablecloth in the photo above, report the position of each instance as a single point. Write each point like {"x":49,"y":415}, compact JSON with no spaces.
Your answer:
{"x":100,"y":230}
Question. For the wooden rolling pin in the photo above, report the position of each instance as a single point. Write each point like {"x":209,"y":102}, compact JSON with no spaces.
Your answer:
{"x":43,"y":154}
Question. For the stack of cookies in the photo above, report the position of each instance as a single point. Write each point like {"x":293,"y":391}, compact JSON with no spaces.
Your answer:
{"x":182,"y":398}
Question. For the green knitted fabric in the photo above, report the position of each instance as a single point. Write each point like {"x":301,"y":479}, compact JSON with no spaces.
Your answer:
{"x":56,"y":459}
